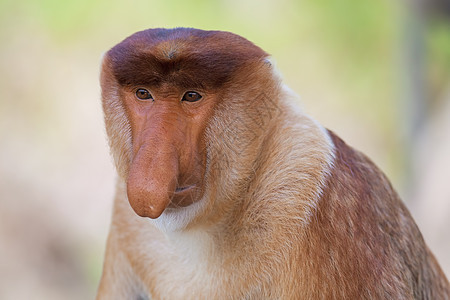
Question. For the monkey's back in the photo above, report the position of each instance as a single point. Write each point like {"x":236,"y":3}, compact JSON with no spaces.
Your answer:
{"x":363,"y":240}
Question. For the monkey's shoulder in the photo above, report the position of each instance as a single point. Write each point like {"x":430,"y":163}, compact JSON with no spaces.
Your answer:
{"x":359,"y":206}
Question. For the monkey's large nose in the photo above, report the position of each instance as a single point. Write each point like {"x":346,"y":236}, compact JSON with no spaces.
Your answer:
{"x":152,"y":180}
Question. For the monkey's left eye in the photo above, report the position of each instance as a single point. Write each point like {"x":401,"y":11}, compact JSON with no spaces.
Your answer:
{"x":143,"y":94}
{"x":191,"y":96}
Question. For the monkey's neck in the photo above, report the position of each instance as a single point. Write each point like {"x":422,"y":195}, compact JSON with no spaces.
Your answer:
{"x":281,"y":191}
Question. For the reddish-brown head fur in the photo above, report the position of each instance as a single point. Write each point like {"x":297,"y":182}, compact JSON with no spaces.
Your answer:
{"x":182,"y":57}
{"x":167,"y":159}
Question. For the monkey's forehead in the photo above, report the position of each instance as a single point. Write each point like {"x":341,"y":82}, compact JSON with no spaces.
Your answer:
{"x":181,"y":56}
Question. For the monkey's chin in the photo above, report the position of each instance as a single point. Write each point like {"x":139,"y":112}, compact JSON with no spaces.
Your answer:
{"x":178,"y":217}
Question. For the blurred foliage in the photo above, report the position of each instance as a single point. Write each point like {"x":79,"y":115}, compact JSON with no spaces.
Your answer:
{"x":438,"y":46}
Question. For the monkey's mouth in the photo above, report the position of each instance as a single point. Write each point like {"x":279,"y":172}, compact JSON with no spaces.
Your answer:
{"x":184,"y":188}
{"x":183,"y":196}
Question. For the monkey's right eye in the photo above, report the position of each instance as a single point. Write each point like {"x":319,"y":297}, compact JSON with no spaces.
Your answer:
{"x":143,"y":94}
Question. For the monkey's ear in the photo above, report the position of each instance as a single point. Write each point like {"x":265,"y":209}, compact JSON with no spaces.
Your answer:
{"x":102,"y":63}
{"x":102,"y":57}
{"x":268,"y":61}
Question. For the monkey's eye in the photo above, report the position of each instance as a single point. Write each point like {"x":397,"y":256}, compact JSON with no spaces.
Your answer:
{"x":143,"y":94}
{"x":191,"y":96}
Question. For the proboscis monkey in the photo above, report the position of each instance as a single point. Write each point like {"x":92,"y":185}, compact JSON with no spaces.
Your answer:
{"x":227,"y":190}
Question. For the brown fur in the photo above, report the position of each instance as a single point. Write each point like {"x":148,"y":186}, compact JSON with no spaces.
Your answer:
{"x":283,"y":209}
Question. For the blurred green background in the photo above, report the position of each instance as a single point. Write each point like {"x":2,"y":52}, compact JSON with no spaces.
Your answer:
{"x":375,"y":72}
